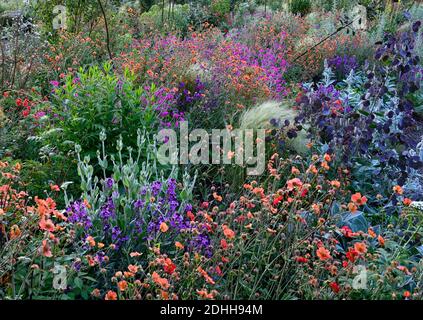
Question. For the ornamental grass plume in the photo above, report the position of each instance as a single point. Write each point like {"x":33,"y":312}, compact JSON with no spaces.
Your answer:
{"x":263,"y":115}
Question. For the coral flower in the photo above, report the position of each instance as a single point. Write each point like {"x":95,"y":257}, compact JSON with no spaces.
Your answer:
{"x":163,"y":227}
{"x":217,"y":197}
{"x":223,"y":244}
{"x":360,"y":247}
{"x":351,"y":255}
{"x":46,"y":224}
{"x":123,"y":285}
{"x":90,"y":261}
{"x":347,"y":232}
{"x":325,"y":165}
{"x":248,"y":186}
{"x":45,"y":249}
{"x":204,"y":294}
{"x":295,"y":171}
{"x":291,"y":184}
{"x":358,"y":199}
{"x":398,"y":190}
{"x":371,"y":233}
{"x":132,"y":268}
{"x":352,"y":207}
{"x":54,"y":188}
{"x":169,"y":267}
{"x":323,"y":253}
{"x":96,"y":293}
{"x":110,"y":295}
{"x":407,"y":201}
{"x":179,"y":245}
{"x":91,"y":241}
{"x":335,"y":183}
{"x":228,"y":232}
{"x":316,"y":208}
{"x":15,"y":232}
{"x":162,"y":282}
{"x":205,"y":275}
{"x":134,"y":254}
{"x":381,"y":240}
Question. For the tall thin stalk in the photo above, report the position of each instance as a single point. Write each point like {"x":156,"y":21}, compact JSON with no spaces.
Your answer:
{"x":107,"y":29}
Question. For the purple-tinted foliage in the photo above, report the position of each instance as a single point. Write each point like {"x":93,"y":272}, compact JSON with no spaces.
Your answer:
{"x":375,"y":125}
{"x":342,"y":65}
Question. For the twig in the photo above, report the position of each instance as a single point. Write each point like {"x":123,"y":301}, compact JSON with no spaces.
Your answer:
{"x":107,"y":30}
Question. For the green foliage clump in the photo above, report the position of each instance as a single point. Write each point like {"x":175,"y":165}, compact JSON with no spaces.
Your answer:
{"x":94,"y":100}
{"x":301,"y":7}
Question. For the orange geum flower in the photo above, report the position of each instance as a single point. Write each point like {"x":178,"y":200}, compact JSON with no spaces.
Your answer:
{"x":179,"y":245}
{"x":45,"y":249}
{"x":87,"y":204}
{"x":358,"y":199}
{"x":229,"y":233}
{"x":371,"y":233}
{"x":17,"y":167}
{"x":96,"y":293}
{"x":122,"y":285}
{"x":163,"y":227}
{"x":134,"y":254}
{"x":162,"y":282}
{"x":381,"y":240}
{"x":325,"y":165}
{"x":91,"y":261}
{"x":352,"y":207}
{"x":132,"y":268}
{"x":323,"y":253}
{"x":398,"y":190}
{"x":407,"y":201}
{"x":291,"y":184}
{"x":316,"y":208}
{"x":295,"y":171}
{"x":312,"y":169}
{"x":248,"y":186}
{"x":360,"y":247}
{"x":335,"y":183}
{"x":205,"y":275}
{"x":110,"y":295}
{"x":91,"y":241}
{"x":169,"y":267}
{"x":217,"y":197}
{"x":15,"y":232}
{"x":204,"y":294}
{"x":46,"y":224}
{"x":54,"y":187}
{"x":327,"y":157}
